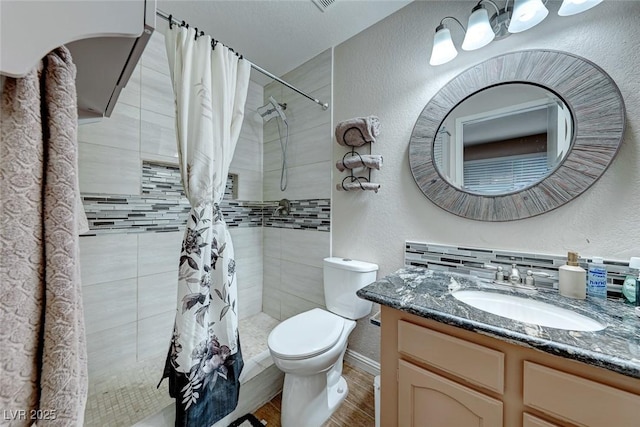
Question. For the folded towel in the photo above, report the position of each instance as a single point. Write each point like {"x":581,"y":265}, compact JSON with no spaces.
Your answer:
{"x":372,"y":161}
{"x":354,"y":186}
{"x":358,"y":131}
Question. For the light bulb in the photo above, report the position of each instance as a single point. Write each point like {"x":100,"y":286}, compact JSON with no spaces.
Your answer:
{"x":527,"y":14}
{"x":571,"y":7}
{"x":443,"y":48}
{"x":479,"y":31}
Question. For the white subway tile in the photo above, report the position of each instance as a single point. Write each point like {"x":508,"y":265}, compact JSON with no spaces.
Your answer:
{"x":157,"y":92}
{"x":154,"y":335}
{"x":303,"y":281}
{"x":290,"y":305}
{"x":249,"y":301}
{"x":130,"y":95}
{"x":271,"y":301}
{"x":108,"y":258}
{"x":248,"y":155}
{"x":157,"y":293}
{"x":107,"y":305}
{"x":311,"y":145}
{"x":159,"y":252}
{"x":305,"y":246}
{"x":112,"y":348}
{"x":158,"y":134}
{"x":121,"y":130}
{"x":108,"y":170}
{"x":304,"y":182}
{"x":313,"y":74}
{"x":155,"y":54}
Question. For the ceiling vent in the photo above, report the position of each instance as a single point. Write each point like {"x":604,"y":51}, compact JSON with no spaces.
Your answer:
{"x":323,"y":4}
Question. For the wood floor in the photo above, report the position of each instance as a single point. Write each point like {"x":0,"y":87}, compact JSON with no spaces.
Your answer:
{"x":358,"y":409}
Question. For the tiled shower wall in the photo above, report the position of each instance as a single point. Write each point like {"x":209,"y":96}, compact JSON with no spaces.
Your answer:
{"x":129,"y":279}
{"x":293,"y":255}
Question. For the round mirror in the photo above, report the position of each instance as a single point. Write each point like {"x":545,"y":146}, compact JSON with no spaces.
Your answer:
{"x":495,"y":102}
{"x":503,"y":139}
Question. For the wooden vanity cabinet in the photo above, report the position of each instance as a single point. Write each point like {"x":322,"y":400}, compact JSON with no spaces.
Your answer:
{"x":435,"y":375}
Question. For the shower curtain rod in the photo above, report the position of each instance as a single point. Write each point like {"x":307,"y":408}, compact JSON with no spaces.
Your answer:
{"x":324,"y":105}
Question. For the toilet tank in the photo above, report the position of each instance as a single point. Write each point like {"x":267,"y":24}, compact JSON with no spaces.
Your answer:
{"x":342,"y":279}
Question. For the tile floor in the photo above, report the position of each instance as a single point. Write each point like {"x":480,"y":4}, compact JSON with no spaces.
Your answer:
{"x":358,"y":409}
{"x":123,"y":398}
{"x":126,"y":397}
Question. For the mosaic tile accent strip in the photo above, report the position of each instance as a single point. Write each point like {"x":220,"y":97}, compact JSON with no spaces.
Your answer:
{"x":163,"y":207}
{"x":311,"y":214}
{"x":164,"y":180}
{"x":134,"y":214}
{"x":161,"y":180}
{"x":472,"y":260}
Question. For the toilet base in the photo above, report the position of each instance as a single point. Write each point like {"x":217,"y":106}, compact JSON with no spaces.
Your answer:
{"x":311,"y":411}
{"x":310,"y":400}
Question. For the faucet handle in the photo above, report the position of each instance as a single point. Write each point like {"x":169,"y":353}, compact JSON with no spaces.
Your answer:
{"x":540,"y":273}
{"x":499,"y":277}
{"x":529,"y":280}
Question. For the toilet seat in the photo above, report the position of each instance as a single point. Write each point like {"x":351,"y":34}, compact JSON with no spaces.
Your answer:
{"x":306,"y":335}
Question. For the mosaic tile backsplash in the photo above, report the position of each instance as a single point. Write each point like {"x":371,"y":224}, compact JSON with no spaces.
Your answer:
{"x":472,"y":260}
{"x":163,"y":207}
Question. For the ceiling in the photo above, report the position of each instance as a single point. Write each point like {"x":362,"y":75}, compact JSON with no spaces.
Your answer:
{"x":279,"y":35}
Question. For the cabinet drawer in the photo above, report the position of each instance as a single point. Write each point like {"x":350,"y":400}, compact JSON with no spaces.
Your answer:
{"x":578,"y":400}
{"x":472,"y":362}
{"x":529,"y":420}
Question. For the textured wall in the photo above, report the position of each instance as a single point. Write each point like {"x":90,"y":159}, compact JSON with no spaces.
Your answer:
{"x":385,"y":71}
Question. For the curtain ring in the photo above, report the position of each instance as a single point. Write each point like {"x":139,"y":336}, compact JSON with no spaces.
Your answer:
{"x":213,"y":44}
{"x":196,"y":38}
{"x":170,"y":22}
{"x":183,"y":23}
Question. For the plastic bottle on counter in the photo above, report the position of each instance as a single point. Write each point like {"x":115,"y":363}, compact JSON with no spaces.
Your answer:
{"x":597,"y":278}
{"x":572,"y":281}
{"x":631,"y":285}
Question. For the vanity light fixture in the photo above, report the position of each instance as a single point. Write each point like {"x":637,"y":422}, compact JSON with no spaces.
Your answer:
{"x":571,"y":7}
{"x":527,"y":14}
{"x":482,"y":30}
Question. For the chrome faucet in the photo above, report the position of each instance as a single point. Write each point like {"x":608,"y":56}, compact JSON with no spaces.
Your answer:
{"x":283,"y":208}
{"x":514,"y":276}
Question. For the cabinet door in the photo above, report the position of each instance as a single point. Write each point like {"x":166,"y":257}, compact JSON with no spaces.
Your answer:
{"x":429,"y":400}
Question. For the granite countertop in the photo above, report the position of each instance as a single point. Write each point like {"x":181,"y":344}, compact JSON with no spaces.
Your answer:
{"x":428,"y":293}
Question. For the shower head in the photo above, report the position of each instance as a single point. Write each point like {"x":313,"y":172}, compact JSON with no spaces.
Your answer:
{"x":272,"y":109}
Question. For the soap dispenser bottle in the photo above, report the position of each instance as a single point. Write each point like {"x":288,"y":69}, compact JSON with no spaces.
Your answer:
{"x":572,"y":278}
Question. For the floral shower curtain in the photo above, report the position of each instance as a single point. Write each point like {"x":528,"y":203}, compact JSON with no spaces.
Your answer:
{"x":205,"y":360}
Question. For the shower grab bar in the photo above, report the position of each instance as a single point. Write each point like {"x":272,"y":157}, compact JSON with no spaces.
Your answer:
{"x":324,"y":105}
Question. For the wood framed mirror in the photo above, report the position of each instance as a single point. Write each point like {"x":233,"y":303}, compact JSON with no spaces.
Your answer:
{"x":494,"y":163}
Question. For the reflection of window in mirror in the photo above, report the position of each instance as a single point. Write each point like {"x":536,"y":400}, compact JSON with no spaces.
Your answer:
{"x":504,"y":139}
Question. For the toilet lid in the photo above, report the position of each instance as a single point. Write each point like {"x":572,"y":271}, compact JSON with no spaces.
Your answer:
{"x":306,"y":334}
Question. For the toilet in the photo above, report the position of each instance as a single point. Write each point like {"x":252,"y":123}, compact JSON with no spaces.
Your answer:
{"x":310,"y":346}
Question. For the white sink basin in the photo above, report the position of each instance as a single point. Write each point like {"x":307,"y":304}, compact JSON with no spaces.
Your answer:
{"x":528,"y":310}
